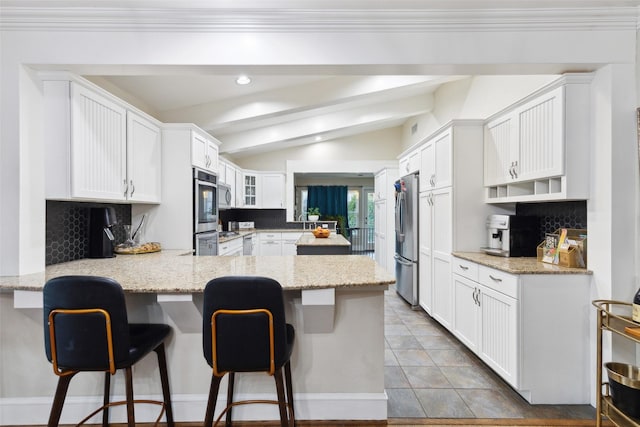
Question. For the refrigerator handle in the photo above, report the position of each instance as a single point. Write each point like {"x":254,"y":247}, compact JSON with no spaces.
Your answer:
{"x":402,"y":260}
{"x":400,"y":206}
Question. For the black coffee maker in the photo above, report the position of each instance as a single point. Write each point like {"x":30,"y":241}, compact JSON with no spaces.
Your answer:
{"x":100,"y":236}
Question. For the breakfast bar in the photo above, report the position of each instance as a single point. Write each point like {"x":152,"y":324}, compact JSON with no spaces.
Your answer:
{"x":330,"y":300}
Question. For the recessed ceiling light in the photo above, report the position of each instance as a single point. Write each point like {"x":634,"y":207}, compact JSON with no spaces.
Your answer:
{"x":243,"y":80}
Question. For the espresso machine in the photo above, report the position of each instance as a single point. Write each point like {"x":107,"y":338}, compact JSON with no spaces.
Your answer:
{"x":512,"y":235}
{"x":101,"y":238}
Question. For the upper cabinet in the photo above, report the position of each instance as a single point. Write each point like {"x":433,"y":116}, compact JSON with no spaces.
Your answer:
{"x":98,"y":148}
{"x":263,"y":190}
{"x":409,"y":162}
{"x":272,"y":190}
{"x":144,"y":159}
{"x":435,"y":162}
{"x":204,"y":152}
{"x":538,"y":148}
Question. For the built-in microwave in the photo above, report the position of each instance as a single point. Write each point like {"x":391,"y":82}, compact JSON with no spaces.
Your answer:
{"x":224,"y":196}
{"x":205,"y":202}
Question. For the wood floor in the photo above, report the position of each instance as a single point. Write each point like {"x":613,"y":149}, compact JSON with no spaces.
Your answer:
{"x":403,"y":422}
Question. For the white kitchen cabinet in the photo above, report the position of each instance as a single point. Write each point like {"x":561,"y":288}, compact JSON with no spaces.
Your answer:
{"x":144,"y":159}
{"x":250,"y":190}
{"x":409,"y":162}
{"x":451,"y":217}
{"x":231,"y":247}
{"x":98,"y":147}
{"x":271,"y":188}
{"x":537,"y":148}
{"x":384,"y":222}
{"x":425,"y":249}
{"x":230,"y":180}
{"x":436,"y":216}
{"x":528,"y":328}
{"x":269,"y":244}
{"x":435,"y":162}
{"x":204,"y":152}
{"x":289,"y":239}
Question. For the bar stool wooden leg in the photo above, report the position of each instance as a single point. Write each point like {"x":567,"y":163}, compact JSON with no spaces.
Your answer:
{"x":232,"y":380}
{"x":211,"y":404}
{"x":105,"y":400}
{"x":58,"y":400}
{"x":131,"y":418}
{"x":284,"y":419}
{"x":287,"y":378}
{"x":164,"y":378}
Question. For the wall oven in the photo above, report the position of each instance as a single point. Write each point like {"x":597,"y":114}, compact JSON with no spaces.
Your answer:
{"x":205,"y":213}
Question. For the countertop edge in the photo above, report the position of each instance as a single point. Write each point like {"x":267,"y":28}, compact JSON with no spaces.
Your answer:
{"x":518,"y":265}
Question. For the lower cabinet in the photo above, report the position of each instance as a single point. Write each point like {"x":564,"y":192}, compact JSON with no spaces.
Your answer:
{"x":289,"y":239}
{"x":270,"y":244}
{"x":531,"y":329}
{"x":230,"y":248}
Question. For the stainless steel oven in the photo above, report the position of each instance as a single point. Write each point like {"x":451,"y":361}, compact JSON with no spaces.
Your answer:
{"x":205,"y":202}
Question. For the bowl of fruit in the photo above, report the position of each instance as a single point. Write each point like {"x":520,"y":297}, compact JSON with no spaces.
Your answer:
{"x":320,"y":232}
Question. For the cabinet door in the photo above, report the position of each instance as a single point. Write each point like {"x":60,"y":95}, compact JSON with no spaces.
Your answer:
{"x":222,"y":172}
{"x":441,"y":257}
{"x":380,"y":233}
{"x":289,"y":240}
{"x":269,"y":247}
{"x":435,"y":163}
{"x":250,"y":190}
{"x":98,"y":146}
{"x":199,"y":147}
{"x":425,"y":256}
{"x":143,"y":159}
{"x":499,"y":150}
{"x":540,"y":137}
{"x":443,"y":160}
{"x":410,"y":163}
{"x":212,"y":156}
{"x":272,"y":191}
{"x":498,"y":346}
{"x":380,"y":185}
{"x":428,"y":167}
{"x":466,"y":320}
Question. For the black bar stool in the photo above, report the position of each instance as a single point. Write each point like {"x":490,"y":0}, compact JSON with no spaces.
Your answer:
{"x":86,"y":329}
{"x":244,"y":330}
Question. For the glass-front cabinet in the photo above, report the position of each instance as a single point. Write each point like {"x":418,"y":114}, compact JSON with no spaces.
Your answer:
{"x":250,"y":190}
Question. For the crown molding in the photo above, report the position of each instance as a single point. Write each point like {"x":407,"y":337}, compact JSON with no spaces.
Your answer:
{"x":184,"y":19}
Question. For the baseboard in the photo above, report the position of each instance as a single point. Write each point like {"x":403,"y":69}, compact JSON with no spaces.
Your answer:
{"x":191,"y":408}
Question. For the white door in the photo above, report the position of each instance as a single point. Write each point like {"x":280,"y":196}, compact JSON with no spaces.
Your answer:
{"x":199,"y":147}
{"x":500,"y":150}
{"x":441,"y":257}
{"x":272,"y":191}
{"x":540,"y":137}
{"x":425,"y":249}
{"x":143,"y":159}
{"x":98,"y":146}
{"x":466,"y":320}
{"x":499,"y":333}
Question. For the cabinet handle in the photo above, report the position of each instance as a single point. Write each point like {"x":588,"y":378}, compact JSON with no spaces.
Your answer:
{"x":515,"y":169}
{"x":463,"y":267}
{"x":495,"y":279}
{"x":126,"y":187}
{"x":432,"y":180}
{"x":133,"y":188}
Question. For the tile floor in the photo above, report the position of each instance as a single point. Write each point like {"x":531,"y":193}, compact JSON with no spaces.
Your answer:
{"x":430,"y":374}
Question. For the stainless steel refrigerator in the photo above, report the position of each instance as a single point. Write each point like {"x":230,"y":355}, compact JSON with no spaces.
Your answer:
{"x":406,"y":256}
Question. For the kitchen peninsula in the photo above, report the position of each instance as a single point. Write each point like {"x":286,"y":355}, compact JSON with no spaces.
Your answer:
{"x":329,"y":300}
{"x":335,"y":244}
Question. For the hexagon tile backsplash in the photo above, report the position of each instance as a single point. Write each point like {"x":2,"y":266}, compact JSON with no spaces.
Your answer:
{"x":67,"y":229}
{"x":555,"y":215}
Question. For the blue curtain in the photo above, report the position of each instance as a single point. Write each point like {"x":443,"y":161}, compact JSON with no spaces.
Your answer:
{"x":330,"y":199}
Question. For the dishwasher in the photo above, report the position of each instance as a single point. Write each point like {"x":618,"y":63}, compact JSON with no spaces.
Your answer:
{"x":247,"y":244}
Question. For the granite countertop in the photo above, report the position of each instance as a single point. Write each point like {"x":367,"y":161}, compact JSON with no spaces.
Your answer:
{"x":518,"y":265}
{"x":174,"y":271}
{"x":334,"y":239}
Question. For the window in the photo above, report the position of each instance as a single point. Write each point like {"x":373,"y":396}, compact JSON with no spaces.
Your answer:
{"x":353,"y":208}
